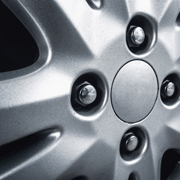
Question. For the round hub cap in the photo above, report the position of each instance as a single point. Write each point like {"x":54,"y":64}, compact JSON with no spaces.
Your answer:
{"x":134,"y":91}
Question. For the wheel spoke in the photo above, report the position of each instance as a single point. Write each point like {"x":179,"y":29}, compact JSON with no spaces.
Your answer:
{"x":173,"y":129}
{"x":138,"y":6}
{"x":34,"y":103}
{"x":70,"y":158}
{"x":145,"y":167}
{"x":154,"y":8}
{"x":53,"y":162}
{"x":177,"y":39}
{"x":28,"y":151}
{"x":97,"y":28}
{"x":149,"y":166}
{"x":92,"y":160}
{"x":121,"y":171}
{"x":167,"y":28}
{"x":159,"y":10}
{"x":167,"y":16}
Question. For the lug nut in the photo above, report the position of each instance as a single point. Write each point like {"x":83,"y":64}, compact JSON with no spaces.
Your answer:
{"x":131,"y":143}
{"x":169,"y":89}
{"x":137,"y":36}
{"x":87,"y":94}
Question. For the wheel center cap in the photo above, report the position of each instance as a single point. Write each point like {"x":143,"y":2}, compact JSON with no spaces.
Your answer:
{"x":134,"y":91}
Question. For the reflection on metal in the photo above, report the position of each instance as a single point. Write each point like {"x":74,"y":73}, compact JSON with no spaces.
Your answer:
{"x":137,"y":36}
{"x":131,"y":143}
{"x":169,"y":89}
{"x":87,"y":94}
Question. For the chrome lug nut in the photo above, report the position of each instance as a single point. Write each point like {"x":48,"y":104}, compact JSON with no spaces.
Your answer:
{"x":169,"y":89}
{"x":137,"y":36}
{"x":87,"y":94}
{"x":131,"y":143}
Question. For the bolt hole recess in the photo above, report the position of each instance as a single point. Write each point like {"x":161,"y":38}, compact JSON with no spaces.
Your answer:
{"x":99,"y":84}
{"x":172,"y":99}
{"x":178,"y":21}
{"x":142,"y":144}
{"x":95,"y":4}
{"x":133,"y":176}
{"x":149,"y":27}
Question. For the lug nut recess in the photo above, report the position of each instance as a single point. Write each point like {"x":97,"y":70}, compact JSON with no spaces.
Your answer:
{"x":141,"y":34}
{"x":170,"y":89}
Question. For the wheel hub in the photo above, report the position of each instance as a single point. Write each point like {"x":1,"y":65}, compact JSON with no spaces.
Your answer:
{"x":134,"y":91}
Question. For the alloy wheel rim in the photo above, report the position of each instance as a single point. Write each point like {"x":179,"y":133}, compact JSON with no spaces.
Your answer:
{"x":76,"y":41}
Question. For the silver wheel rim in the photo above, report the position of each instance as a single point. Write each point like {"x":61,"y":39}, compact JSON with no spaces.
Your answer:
{"x":76,"y":38}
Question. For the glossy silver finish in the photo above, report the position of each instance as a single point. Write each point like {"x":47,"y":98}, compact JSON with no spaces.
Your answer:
{"x":131,"y":143}
{"x":134,"y":91}
{"x":87,"y":94}
{"x":75,"y":39}
{"x":169,"y":89}
{"x":137,"y":35}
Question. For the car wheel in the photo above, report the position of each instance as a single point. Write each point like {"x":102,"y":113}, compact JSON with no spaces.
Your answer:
{"x":91,"y":91}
